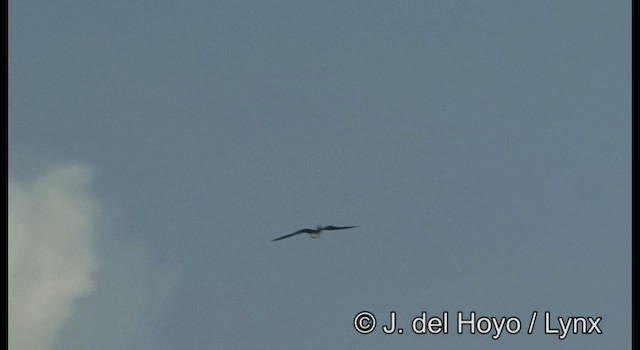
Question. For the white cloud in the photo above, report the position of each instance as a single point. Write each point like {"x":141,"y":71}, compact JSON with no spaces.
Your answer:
{"x":51,"y":254}
{"x":132,"y":293}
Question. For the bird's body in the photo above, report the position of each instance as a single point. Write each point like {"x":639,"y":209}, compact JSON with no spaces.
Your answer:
{"x":315,"y":233}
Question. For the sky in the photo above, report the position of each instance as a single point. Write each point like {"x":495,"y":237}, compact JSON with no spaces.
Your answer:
{"x":483,"y":147}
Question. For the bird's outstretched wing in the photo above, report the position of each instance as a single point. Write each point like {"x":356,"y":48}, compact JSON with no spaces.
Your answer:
{"x":332,"y":228}
{"x":304,"y":230}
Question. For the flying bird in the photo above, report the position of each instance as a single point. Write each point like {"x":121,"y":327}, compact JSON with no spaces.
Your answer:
{"x":314,"y":233}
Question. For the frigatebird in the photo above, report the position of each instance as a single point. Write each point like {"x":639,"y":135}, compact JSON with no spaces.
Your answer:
{"x":314,"y":233}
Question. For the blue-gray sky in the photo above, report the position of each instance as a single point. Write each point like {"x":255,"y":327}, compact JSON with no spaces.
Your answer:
{"x":156,"y":148}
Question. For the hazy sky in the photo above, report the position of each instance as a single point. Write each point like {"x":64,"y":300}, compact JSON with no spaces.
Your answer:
{"x":157,"y":147}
